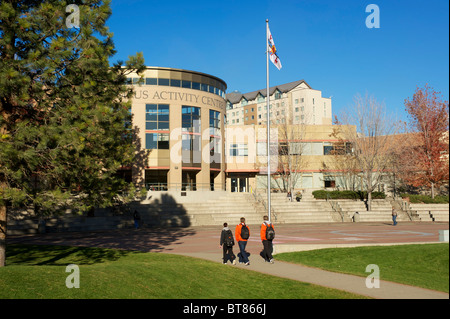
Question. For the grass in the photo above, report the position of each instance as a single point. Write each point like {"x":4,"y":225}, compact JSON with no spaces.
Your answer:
{"x":35,"y":272}
{"x":422,"y":265}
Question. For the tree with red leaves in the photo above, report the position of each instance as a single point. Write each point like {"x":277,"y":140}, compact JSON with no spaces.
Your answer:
{"x":428,"y":156}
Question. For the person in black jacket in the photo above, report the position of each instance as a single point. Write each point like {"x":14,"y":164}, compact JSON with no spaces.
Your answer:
{"x":227,"y":243}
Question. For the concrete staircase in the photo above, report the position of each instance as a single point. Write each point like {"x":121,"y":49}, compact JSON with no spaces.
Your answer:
{"x":430,"y":212}
{"x":381,"y":211}
{"x":200,"y":209}
{"x":308,"y":210}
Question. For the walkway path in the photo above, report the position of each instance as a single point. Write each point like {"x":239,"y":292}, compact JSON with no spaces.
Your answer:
{"x":203,"y":242}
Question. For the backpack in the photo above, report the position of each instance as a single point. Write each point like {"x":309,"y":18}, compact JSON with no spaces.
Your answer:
{"x":245,"y":233}
{"x":228,"y":240}
{"x":270,"y":232}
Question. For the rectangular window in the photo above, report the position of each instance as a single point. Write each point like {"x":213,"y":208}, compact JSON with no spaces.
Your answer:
{"x":190,"y":119}
{"x":238,"y":150}
{"x":151,"y":81}
{"x":196,"y":85}
{"x":164,"y":82}
{"x":186,"y":84}
{"x":327,"y":150}
{"x":176,"y":83}
{"x":151,"y":141}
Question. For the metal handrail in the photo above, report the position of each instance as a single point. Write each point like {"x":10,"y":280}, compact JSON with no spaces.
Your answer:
{"x":335,"y":206}
{"x":179,"y":186}
{"x":260,"y":199}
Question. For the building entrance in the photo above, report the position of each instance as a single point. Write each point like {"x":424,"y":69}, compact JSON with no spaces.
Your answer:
{"x":239,"y":184}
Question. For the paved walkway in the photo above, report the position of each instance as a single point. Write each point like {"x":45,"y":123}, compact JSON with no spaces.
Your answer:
{"x":203,"y":242}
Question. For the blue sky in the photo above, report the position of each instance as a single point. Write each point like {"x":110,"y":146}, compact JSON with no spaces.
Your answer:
{"x":324,"y":42}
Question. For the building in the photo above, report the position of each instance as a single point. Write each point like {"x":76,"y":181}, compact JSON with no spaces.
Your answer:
{"x":182,"y":142}
{"x":291,"y":103}
{"x":302,"y":157}
{"x":178,"y":117}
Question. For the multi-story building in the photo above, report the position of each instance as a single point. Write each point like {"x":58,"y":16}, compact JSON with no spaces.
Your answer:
{"x":178,"y":117}
{"x":182,"y":142}
{"x":290,"y":103}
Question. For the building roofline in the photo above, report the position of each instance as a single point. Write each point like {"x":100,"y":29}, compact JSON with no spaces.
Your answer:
{"x":283,"y":88}
{"x":187,"y":71}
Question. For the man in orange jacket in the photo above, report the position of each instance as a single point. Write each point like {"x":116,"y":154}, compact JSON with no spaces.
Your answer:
{"x":267,"y":242}
{"x":242,"y":234}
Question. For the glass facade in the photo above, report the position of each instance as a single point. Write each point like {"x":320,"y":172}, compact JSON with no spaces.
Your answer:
{"x":157,"y":126}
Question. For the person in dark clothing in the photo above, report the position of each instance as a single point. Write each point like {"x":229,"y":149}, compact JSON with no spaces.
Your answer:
{"x":227,"y":243}
{"x":267,"y":242}
{"x":137,"y":219}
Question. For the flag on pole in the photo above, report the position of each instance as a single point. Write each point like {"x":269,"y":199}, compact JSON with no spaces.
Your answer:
{"x":272,"y":50}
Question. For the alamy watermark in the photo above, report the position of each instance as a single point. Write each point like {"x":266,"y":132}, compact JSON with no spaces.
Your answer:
{"x":373,"y":19}
{"x":73,"y":20}
{"x":73,"y":280}
{"x":373,"y":280}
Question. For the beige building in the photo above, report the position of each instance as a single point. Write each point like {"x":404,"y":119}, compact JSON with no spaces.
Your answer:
{"x":182,"y":142}
{"x":302,"y":157}
{"x":293,"y":103}
{"x":178,"y":116}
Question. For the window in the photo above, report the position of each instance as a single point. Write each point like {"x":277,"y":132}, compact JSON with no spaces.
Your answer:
{"x":190,"y":119}
{"x":214,"y":122}
{"x":186,"y":84}
{"x":164,"y":82}
{"x":157,"y":141}
{"x":238,"y":150}
{"x":278,"y":95}
{"x":196,"y":85}
{"x":157,"y":117}
{"x":176,"y":83}
{"x":327,"y":150}
{"x":151,"y":81}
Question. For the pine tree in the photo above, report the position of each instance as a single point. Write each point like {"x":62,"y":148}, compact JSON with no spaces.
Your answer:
{"x":63,"y":108}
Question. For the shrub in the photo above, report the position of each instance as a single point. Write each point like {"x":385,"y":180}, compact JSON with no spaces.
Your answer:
{"x":322,"y":194}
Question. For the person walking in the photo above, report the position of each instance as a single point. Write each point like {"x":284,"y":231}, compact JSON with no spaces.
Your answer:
{"x":242,"y":234}
{"x":227,"y":243}
{"x":394,"y":216}
{"x":137,"y":219}
{"x":267,"y":235}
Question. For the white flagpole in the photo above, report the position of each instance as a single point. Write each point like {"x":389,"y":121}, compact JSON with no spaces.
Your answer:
{"x":268,"y":122}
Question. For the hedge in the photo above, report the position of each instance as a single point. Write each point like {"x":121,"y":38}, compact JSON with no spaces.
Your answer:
{"x":356,"y":195}
{"x":417,"y":199}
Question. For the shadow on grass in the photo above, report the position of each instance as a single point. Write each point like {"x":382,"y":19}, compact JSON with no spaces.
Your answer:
{"x":40,"y":255}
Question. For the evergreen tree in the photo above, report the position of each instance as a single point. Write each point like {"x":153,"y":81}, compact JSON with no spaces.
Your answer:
{"x":63,"y":108}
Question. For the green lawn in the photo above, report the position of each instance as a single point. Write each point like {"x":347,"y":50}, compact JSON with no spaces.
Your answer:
{"x":422,"y":265}
{"x":40,"y":272}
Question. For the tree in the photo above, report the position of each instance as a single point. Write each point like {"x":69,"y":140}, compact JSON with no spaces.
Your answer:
{"x":429,"y":122}
{"x":370,"y":140}
{"x":63,"y":109}
{"x":290,"y":150}
{"x":344,"y":160}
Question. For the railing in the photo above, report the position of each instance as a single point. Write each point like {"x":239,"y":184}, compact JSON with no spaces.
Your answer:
{"x":335,"y":206}
{"x":260,"y":199}
{"x":181,"y":186}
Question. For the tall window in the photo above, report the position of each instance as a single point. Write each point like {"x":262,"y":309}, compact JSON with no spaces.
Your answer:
{"x":214,"y":138}
{"x":191,"y":135}
{"x":157,"y":126}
